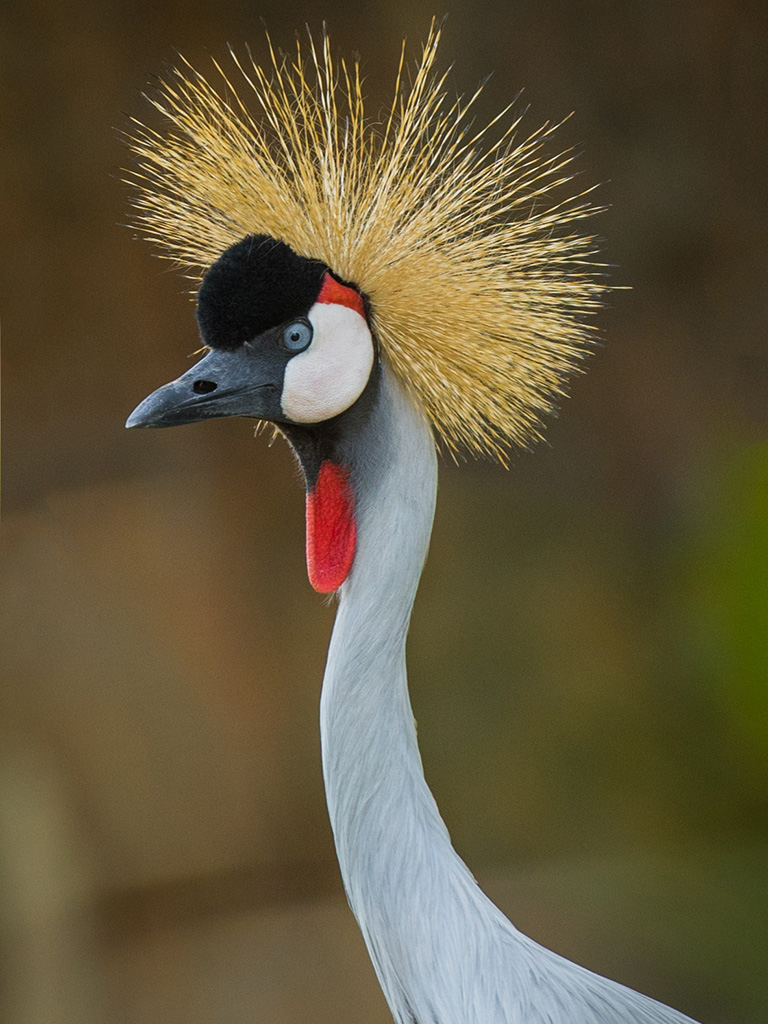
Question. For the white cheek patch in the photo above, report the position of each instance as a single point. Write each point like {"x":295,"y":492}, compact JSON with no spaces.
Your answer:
{"x":331,"y":374}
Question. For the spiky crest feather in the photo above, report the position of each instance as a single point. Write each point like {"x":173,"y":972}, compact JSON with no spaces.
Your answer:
{"x":478,"y":280}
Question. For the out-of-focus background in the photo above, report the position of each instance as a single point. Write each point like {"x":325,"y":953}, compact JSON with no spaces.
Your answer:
{"x":589,"y":652}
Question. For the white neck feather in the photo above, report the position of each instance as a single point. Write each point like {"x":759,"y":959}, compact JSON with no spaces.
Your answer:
{"x":370,"y":751}
{"x":444,"y":954}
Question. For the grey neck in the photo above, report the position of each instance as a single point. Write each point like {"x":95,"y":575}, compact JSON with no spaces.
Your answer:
{"x":394,"y":850}
{"x":443,"y":953}
{"x":367,"y":725}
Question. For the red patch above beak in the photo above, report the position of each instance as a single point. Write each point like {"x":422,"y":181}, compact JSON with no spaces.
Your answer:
{"x":341,"y":294}
{"x":331,"y":529}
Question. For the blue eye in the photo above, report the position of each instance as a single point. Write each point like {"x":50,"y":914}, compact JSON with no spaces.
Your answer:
{"x":297,"y":336}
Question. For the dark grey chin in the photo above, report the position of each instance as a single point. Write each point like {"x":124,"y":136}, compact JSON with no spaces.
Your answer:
{"x":222,"y":384}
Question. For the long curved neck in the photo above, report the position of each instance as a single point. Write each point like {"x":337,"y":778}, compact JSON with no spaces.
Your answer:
{"x":367,"y":727}
{"x":443,"y":953}
{"x":400,"y":872}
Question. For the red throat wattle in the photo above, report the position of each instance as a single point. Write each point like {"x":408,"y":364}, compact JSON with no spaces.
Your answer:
{"x":331,"y":529}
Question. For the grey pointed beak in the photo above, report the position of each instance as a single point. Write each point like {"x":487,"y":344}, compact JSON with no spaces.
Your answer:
{"x":221,"y":384}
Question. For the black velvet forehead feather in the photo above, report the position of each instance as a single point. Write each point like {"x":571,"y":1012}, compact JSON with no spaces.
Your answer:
{"x":256,"y":284}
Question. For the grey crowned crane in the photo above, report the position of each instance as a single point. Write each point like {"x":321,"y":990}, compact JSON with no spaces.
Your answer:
{"x":370,"y":289}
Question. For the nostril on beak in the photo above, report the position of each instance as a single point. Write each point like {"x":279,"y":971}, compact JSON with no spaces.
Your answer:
{"x":204,"y":387}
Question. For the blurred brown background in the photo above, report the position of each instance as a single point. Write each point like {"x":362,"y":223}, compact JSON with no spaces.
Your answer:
{"x":589,"y":653}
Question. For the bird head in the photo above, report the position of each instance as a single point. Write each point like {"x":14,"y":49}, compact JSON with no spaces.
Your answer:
{"x":288,"y":342}
{"x":329,"y":247}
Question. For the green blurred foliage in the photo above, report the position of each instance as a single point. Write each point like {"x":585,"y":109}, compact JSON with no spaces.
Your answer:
{"x":729,"y":596}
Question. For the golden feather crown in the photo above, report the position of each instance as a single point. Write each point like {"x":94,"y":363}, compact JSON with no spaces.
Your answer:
{"x":479,"y":281}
